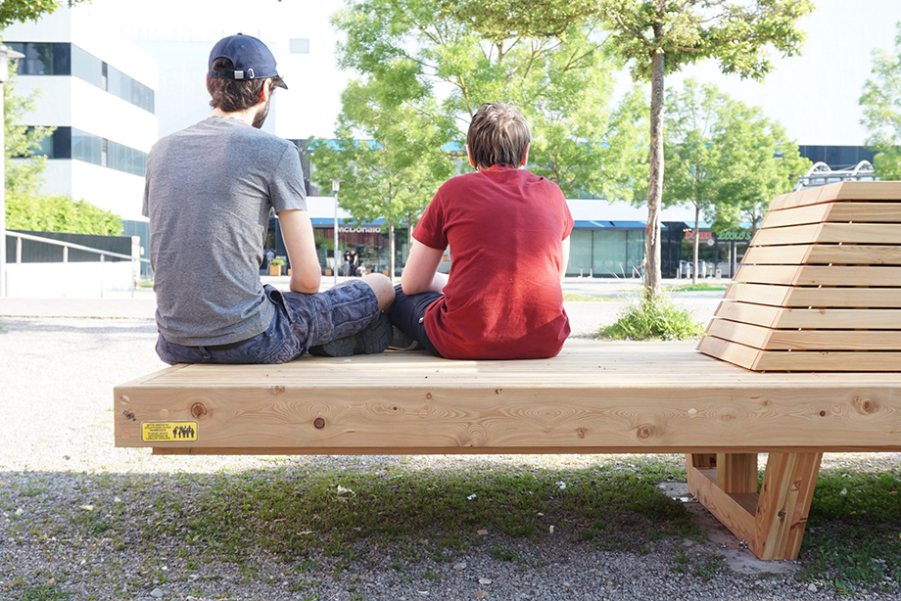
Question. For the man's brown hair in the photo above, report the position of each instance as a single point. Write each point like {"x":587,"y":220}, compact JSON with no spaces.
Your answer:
{"x":232,"y":95}
{"x":498,"y":135}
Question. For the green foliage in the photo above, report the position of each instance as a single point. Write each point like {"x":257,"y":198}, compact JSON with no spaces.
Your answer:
{"x":550,"y":63}
{"x":724,"y":158}
{"x":60,"y":214}
{"x":24,"y":175}
{"x":26,"y":207}
{"x":881,"y":102}
{"x":19,"y":11}
{"x":738,"y":35}
{"x":654,"y":318}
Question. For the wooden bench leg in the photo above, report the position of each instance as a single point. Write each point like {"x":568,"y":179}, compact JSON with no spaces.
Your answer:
{"x":772,"y":522}
{"x":788,"y":485}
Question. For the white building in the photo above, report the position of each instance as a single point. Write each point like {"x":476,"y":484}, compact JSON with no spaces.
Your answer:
{"x":99,"y":94}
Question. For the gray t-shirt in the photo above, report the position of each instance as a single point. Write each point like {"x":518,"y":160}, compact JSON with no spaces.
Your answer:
{"x":208,"y":193}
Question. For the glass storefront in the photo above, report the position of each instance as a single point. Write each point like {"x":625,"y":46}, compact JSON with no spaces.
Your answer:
{"x":606,"y":252}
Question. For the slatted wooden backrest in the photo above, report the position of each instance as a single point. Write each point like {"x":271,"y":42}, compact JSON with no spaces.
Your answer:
{"x":819,"y":288}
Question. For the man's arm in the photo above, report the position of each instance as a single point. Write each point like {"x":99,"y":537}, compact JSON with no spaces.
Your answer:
{"x":564,"y":257}
{"x":421,"y":271}
{"x":297,"y":232}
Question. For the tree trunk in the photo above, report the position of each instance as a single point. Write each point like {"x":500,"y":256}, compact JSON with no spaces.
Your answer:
{"x":391,"y":250}
{"x":696,"y":245}
{"x":655,"y":183}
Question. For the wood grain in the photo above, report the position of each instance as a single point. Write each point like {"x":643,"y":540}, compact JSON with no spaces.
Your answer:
{"x":784,"y":504}
{"x":649,"y":398}
{"x":815,"y":297}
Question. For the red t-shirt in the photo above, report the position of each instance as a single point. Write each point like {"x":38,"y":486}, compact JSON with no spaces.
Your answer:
{"x":503,"y":298}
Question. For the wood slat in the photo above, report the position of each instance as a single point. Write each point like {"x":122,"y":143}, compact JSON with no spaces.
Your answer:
{"x":824,"y":233}
{"x":814,"y":254}
{"x":816,"y":340}
{"x":855,"y":255}
{"x":857,"y":212}
{"x":842,"y":191}
{"x":737,"y":472}
{"x":820,"y":275}
{"x":732,"y":510}
{"x":777,"y":255}
{"x":824,"y":319}
{"x":815,"y":297}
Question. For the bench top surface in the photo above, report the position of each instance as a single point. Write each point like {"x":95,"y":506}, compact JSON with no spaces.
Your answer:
{"x":581,"y":364}
{"x":593,"y":397}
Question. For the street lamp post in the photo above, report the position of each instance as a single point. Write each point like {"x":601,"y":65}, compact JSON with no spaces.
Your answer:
{"x":336,"y":185}
{"x":5,"y":55}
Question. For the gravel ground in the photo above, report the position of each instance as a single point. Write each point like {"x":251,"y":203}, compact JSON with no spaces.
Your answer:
{"x":57,"y":459}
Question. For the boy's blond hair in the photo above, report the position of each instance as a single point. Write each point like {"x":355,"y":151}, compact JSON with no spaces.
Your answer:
{"x":498,"y":135}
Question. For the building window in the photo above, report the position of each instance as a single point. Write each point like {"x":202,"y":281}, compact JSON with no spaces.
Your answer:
{"x":68,"y":59}
{"x":300,"y":46}
{"x":43,"y":58}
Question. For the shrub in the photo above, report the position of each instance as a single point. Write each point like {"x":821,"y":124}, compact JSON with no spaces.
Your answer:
{"x":657,"y":319}
{"x":60,"y":214}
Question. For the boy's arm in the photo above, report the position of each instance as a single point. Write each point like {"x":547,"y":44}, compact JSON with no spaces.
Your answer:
{"x":421,"y":271}
{"x":564,"y":257}
{"x":297,"y":232}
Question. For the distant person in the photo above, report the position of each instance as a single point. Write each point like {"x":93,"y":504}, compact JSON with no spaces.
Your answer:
{"x":354,"y":262}
{"x":508,"y":231}
{"x":208,"y":193}
{"x":347,"y":261}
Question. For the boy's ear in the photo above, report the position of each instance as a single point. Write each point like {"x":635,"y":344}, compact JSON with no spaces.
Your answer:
{"x":525,"y":156}
{"x":469,"y":156}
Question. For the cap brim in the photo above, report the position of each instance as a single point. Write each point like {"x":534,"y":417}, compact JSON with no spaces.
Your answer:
{"x":279,"y":83}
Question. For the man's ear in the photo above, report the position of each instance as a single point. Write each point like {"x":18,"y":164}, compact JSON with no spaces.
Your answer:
{"x":266,"y":92}
{"x":525,"y":156}
{"x":469,"y":156}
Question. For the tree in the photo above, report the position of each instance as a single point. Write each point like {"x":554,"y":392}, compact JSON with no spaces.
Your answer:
{"x":19,"y":11}
{"x":548,"y":60}
{"x":26,"y":207}
{"x":395,"y":170}
{"x":24,"y":176}
{"x":662,"y":36}
{"x":724,"y":158}
{"x":881,"y":102}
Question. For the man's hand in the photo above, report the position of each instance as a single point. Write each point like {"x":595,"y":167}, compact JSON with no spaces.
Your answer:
{"x":297,"y":232}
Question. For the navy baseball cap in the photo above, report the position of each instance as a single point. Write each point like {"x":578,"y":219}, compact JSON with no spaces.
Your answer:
{"x":251,"y":58}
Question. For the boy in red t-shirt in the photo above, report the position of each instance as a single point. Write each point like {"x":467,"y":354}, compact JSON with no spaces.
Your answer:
{"x":508,"y":231}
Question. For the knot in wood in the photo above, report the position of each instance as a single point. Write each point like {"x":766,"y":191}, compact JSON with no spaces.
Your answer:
{"x":580,"y":432}
{"x":129,"y":414}
{"x":277,"y":390}
{"x":822,"y":414}
{"x":198,"y":410}
{"x":781,"y":515}
{"x":864,"y":405}
{"x":319,"y":423}
{"x":645,"y":431}
{"x":428,"y":395}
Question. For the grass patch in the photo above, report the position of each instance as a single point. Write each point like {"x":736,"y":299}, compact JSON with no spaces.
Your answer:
{"x":583,"y":298}
{"x":423,"y":514}
{"x":853,"y":537}
{"x":699,"y":287}
{"x":658,"y":319}
{"x":47,"y":592}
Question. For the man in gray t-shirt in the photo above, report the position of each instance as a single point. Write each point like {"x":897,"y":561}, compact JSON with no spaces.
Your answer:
{"x":208,"y":194}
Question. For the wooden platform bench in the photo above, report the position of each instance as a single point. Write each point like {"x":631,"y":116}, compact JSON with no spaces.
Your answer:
{"x":594,"y":397}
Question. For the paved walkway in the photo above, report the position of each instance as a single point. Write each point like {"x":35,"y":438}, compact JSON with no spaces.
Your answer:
{"x":142,"y":303}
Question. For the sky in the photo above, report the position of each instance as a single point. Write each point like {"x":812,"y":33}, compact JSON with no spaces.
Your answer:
{"x":815,"y":96}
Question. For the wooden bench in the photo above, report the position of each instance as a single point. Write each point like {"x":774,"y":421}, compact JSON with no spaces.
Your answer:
{"x":818,"y":290}
{"x":594,"y":398}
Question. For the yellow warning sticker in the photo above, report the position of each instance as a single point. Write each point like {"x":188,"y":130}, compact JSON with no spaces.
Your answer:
{"x":169,"y":431}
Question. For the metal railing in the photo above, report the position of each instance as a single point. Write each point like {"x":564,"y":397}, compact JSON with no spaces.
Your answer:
{"x":66,"y":246}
